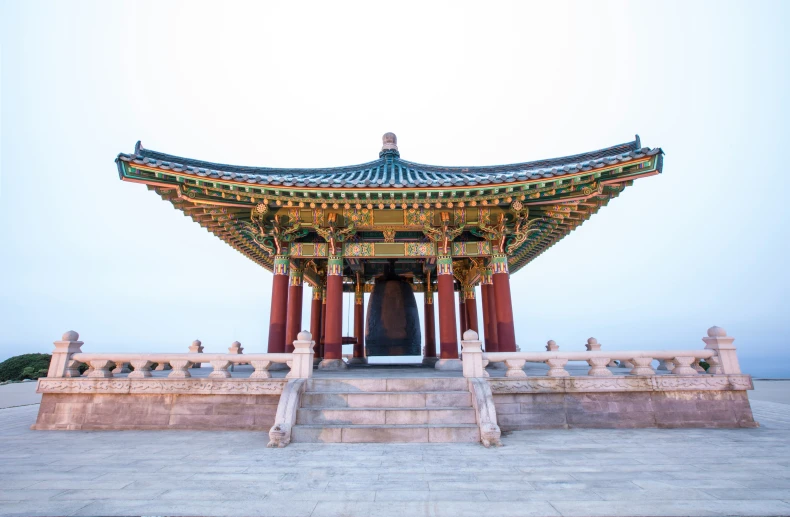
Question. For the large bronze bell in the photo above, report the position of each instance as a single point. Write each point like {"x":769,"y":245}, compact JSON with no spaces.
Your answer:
{"x":393,"y":323}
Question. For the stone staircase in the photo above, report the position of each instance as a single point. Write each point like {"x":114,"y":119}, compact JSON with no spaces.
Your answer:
{"x":386,"y":410}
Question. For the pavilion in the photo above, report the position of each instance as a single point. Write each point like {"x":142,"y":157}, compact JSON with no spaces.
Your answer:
{"x":417,"y":228}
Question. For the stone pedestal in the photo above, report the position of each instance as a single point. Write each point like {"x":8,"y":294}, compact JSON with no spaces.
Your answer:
{"x":448,"y":364}
{"x":332,"y":364}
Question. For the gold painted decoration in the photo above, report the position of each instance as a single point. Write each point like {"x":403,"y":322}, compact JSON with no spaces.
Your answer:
{"x":333,"y":235}
{"x":335,"y":266}
{"x":444,"y":265}
{"x":273,"y":234}
{"x":389,"y":234}
{"x":417,"y":216}
{"x":358,"y":249}
{"x":522,"y":228}
{"x":359,"y":216}
{"x":499,"y":264}
{"x":419,"y":249}
{"x":484,"y":215}
{"x":459,"y":216}
{"x":281,"y":265}
{"x":443,"y":235}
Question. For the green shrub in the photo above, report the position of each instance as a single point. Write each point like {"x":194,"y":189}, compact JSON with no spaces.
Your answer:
{"x":25,"y":366}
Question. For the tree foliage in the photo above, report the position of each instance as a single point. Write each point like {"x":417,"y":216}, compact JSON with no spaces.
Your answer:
{"x":25,"y":366}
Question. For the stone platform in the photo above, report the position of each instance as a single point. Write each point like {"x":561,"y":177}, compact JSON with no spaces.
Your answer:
{"x":576,"y":472}
{"x":406,"y":403}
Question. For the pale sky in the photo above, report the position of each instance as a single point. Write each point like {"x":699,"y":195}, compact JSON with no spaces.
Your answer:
{"x":461,"y":83}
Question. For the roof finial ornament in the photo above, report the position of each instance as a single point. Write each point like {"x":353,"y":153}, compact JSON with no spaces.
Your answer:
{"x":389,"y":144}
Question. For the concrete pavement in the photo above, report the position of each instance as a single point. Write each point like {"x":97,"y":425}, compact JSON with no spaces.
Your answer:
{"x":645,"y":472}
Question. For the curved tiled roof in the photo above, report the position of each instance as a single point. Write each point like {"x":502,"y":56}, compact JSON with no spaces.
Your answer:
{"x":392,"y":171}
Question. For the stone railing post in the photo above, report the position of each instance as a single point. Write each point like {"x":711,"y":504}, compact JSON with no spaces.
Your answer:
{"x":552,"y":346}
{"x":719,"y":341}
{"x":196,"y":348}
{"x":302,"y":363}
{"x":472,"y":355}
{"x":61,"y":364}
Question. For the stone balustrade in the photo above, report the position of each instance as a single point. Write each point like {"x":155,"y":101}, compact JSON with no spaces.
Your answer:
{"x":718,"y":352}
{"x":68,"y":356}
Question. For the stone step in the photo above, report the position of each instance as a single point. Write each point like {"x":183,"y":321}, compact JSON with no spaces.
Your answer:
{"x":386,"y":399}
{"x":443,"y":433}
{"x":382,"y":416}
{"x":380,"y":385}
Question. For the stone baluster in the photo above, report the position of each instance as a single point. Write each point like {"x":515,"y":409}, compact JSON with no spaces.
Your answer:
{"x":196,"y":348}
{"x":302,"y":363}
{"x":515,"y":368}
{"x":683,"y":366}
{"x":642,"y":366}
{"x":120,"y":367}
{"x":598,"y":367}
{"x":88,"y":372}
{"x":472,"y":355}
{"x":100,"y":369}
{"x":261,"y":370}
{"x":219,"y":369}
{"x":594,"y":346}
{"x":557,"y":368}
{"x":665,"y":365}
{"x":162,"y":366}
{"x":697,"y":367}
{"x":61,"y":363}
{"x":142,"y":369}
{"x":72,"y":368}
{"x":180,"y":369}
{"x":552,"y":346}
{"x":719,"y":341}
{"x":715,"y":365}
{"x":624,"y":363}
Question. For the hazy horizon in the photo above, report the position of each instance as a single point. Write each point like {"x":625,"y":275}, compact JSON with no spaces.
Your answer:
{"x":316,"y":85}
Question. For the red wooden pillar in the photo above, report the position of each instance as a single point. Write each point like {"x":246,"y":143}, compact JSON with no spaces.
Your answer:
{"x":462,"y":326}
{"x":333,"y":340}
{"x":506,"y":332}
{"x":294,"y":320}
{"x":430,"y":325}
{"x":279,"y":308}
{"x":323,"y":319}
{"x":471,"y":309}
{"x":359,"y":324}
{"x":489,"y":312}
{"x":448,"y":336}
{"x":315,"y":318}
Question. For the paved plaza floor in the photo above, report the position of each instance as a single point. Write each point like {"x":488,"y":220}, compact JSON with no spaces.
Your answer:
{"x":580,"y":472}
